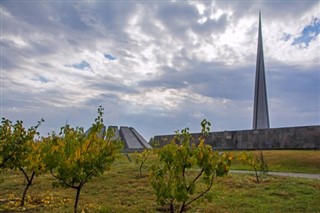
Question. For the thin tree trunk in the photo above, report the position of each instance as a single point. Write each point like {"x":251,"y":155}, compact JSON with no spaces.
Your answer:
{"x":29,"y":182}
{"x":182,"y":207}
{"x":257,"y":176}
{"x":171,"y":208}
{"x":141,"y":169}
{"x":77,"y":198}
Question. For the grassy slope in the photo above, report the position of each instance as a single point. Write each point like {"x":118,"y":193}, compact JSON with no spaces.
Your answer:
{"x":289,"y":161}
{"x":121,"y":190}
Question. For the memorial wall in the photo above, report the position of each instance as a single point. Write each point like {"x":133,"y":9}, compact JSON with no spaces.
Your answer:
{"x":304,"y":137}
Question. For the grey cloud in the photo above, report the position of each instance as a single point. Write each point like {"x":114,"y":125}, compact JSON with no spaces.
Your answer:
{"x":108,"y":85}
{"x":211,"y":25}
{"x":170,"y":78}
{"x":271,"y":10}
{"x":177,"y":17}
{"x":275,"y":9}
{"x":9,"y":56}
{"x":180,"y":17}
{"x":72,"y":15}
{"x":208,"y":79}
{"x":36,"y":13}
{"x":103,"y":98}
{"x":68,"y":26}
{"x":293,"y":85}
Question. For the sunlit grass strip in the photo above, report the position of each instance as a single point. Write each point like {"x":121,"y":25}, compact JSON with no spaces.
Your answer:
{"x":299,"y":161}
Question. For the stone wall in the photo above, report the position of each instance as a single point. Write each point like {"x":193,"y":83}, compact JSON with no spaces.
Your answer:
{"x":305,"y":137}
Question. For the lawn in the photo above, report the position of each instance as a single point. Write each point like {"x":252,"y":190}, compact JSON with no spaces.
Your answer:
{"x":122,"y":190}
{"x":300,"y":161}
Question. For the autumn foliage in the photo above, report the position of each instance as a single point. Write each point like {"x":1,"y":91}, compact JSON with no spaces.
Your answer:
{"x":182,"y":166}
{"x":19,"y":151}
{"x":74,"y":157}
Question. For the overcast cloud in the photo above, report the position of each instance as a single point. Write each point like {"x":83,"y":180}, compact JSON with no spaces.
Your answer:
{"x":158,"y":66}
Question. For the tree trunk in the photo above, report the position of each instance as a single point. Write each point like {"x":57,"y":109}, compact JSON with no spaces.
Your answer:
{"x":182,"y":207}
{"x":171,"y":208}
{"x":257,"y":176}
{"x":140,"y":169}
{"x":77,"y":199}
{"x":29,"y":182}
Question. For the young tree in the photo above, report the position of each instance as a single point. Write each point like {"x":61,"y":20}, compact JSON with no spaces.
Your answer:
{"x":174,"y":179}
{"x":18,"y":150}
{"x":257,"y":162}
{"x":12,"y":141}
{"x":75,"y":157}
{"x":32,"y":165}
{"x":142,"y":158}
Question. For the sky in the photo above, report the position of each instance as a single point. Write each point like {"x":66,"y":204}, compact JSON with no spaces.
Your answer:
{"x":158,"y":66}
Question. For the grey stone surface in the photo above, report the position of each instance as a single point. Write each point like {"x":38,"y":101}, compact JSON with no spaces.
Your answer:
{"x":129,"y":138}
{"x":305,"y":137}
{"x":142,"y":141}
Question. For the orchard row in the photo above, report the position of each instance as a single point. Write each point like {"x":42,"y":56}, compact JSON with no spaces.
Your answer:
{"x":74,"y":158}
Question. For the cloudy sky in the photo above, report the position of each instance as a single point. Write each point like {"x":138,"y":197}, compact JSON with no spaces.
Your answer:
{"x":158,"y":66}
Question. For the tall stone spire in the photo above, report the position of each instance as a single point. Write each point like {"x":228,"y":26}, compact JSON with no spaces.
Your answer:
{"x":260,"y":111}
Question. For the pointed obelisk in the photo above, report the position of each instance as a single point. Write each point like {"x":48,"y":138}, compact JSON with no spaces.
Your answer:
{"x":260,"y":111}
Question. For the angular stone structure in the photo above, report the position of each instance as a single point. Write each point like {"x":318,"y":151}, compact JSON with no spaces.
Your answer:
{"x":260,"y":108}
{"x":132,"y":140}
{"x":142,"y":141}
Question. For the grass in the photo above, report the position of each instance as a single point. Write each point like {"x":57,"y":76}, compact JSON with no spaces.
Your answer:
{"x":122,"y":190}
{"x":299,"y":161}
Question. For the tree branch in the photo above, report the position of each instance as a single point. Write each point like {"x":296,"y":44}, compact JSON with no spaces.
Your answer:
{"x":8,"y":158}
{"x":25,"y":174}
{"x":199,"y":175}
{"x":200,"y":195}
{"x":63,"y":181}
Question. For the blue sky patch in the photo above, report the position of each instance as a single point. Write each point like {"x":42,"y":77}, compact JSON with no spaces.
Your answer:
{"x":43,"y":79}
{"x":308,"y":33}
{"x":109,"y":57}
{"x":286,"y":36}
{"x":83,"y":65}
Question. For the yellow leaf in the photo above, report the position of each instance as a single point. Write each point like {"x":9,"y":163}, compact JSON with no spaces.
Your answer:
{"x":200,"y":155}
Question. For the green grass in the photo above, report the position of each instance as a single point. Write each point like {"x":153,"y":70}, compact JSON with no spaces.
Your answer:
{"x":300,"y":161}
{"x":122,"y":190}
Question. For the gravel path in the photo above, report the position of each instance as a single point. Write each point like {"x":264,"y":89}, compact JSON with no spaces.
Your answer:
{"x":286,"y":174}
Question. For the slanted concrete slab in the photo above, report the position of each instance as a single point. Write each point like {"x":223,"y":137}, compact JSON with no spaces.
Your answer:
{"x":142,"y":141}
{"x":129,"y":138}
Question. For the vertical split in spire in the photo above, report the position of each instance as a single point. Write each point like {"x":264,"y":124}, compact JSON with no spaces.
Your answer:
{"x":260,"y":108}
